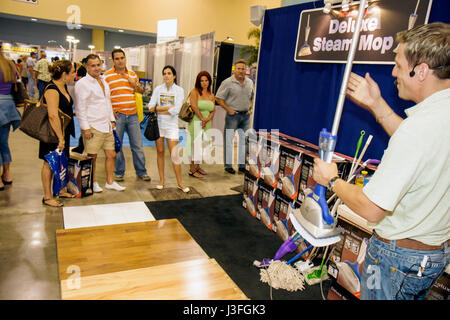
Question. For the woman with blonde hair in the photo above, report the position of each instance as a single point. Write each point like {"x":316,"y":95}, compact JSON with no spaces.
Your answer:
{"x":9,"y":116}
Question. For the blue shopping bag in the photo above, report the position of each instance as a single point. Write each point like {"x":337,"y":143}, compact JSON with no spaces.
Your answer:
{"x":58,"y":164}
{"x":117,"y":142}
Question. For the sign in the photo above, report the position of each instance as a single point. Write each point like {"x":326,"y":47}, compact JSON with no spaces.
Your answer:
{"x":17,"y":48}
{"x":327,"y":37}
{"x":28,"y":1}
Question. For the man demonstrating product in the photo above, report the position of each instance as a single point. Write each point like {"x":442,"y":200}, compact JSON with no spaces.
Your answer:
{"x":408,"y":196}
{"x":31,"y":62}
{"x":42,"y":74}
{"x":96,"y":118}
{"x":235,"y":95}
{"x":123,"y":83}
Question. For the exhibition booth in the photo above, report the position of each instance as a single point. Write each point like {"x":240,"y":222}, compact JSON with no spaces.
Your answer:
{"x":306,"y":53}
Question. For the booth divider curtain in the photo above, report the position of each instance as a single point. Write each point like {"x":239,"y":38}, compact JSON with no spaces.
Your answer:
{"x":188,"y":56}
{"x":299,"y":99}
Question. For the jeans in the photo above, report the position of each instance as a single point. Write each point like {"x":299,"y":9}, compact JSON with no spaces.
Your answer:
{"x":130,"y":124}
{"x":390,"y":272}
{"x":41,"y":86}
{"x":232,"y":123}
{"x":5,"y":153}
{"x":31,"y":87}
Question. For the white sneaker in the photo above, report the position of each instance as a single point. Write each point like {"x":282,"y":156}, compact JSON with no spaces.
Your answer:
{"x":97,"y":188}
{"x":114,"y":186}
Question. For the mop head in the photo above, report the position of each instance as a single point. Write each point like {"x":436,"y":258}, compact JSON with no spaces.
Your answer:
{"x":305,"y":50}
{"x":313,"y":275}
{"x":280,"y":275}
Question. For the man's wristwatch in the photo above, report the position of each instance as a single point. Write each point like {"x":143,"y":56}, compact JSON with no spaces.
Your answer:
{"x":331,"y":183}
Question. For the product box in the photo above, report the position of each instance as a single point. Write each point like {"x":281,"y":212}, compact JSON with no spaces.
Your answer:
{"x":289,"y":171}
{"x":336,"y":292}
{"x":440,"y":289}
{"x":252,"y":149}
{"x":282,"y":208}
{"x":268,"y":159}
{"x":265,"y":203}
{"x":80,"y":176}
{"x":250,"y":194}
{"x":347,"y":259}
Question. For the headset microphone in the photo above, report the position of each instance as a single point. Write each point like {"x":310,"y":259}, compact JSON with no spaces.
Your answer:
{"x":413,"y":73}
{"x":395,"y":82}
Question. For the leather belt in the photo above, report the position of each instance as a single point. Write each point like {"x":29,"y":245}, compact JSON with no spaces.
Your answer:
{"x":411,"y":244}
{"x":242,"y":112}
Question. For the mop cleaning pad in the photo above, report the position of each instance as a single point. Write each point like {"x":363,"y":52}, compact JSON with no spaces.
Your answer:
{"x":280,"y":275}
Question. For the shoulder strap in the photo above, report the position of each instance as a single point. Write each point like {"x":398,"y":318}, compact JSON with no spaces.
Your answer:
{"x":50,"y":84}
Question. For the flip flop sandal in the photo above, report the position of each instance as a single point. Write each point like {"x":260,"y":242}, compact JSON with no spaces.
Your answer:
{"x":201,"y":171}
{"x":67,"y":195}
{"x":44,"y":202}
{"x":192,"y":174}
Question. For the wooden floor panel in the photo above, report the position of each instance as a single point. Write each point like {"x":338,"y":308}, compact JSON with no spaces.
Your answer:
{"x":195,"y":279}
{"x":114,"y":248}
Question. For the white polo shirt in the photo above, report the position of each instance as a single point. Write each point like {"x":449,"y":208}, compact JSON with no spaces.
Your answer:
{"x":93,"y":107}
{"x":412,"y":181}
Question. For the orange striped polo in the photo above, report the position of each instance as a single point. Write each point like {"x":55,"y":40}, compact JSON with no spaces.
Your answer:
{"x":122,"y":93}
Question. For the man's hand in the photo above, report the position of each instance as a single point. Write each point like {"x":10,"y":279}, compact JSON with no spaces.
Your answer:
{"x":132,"y":82}
{"x":231,"y":112}
{"x":364,"y":92}
{"x":324,"y":171}
{"x":87,"y":134}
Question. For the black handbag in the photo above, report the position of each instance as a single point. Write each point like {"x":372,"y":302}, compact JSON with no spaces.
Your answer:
{"x":152,"y":130}
{"x":19,"y":93}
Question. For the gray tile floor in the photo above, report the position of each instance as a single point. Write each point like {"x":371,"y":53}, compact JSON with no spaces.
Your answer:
{"x":28,"y":259}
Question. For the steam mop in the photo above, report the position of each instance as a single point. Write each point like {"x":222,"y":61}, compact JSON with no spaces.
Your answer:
{"x":313,"y":221}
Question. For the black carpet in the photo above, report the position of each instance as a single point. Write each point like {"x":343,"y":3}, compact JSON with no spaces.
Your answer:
{"x":230,"y":235}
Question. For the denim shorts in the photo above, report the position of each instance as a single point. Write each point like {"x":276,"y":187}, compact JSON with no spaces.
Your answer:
{"x":391,"y":272}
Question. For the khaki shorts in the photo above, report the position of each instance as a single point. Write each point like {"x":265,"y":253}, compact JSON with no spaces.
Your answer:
{"x":99,"y":141}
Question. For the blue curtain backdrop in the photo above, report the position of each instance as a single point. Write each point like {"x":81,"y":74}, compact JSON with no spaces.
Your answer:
{"x":300,"y":99}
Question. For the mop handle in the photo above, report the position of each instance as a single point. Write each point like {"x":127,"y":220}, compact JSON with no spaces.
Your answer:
{"x":348,"y":68}
{"x":299,"y":255}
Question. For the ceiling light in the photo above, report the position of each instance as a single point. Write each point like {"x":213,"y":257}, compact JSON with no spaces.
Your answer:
{"x":120,"y":30}
{"x":33,"y":19}
{"x":116,"y":47}
{"x":229,"y":38}
{"x":345,"y":5}
{"x":327,"y":8}
{"x":91,"y":46}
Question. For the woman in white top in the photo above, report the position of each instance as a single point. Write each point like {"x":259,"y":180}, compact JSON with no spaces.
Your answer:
{"x":166,"y":101}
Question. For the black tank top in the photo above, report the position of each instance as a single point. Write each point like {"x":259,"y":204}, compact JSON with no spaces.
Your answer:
{"x":64,"y":105}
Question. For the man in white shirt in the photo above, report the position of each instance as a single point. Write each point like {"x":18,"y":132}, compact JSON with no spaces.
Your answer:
{"x":96,"y":118}
{"x":408,"y":197}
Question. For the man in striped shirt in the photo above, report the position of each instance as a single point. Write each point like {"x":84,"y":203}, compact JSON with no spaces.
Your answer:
{"x":123,"y":84}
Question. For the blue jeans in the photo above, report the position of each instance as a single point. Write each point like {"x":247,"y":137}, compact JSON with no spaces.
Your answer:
{"x":5,"y":153}
{"x":233,"y":123}
{"x":31,"y":86}
{"x":130,"y":124}
{"x":41,"y":87}
{"x":390,"y":272}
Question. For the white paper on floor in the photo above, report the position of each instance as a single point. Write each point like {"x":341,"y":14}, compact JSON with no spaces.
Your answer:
{"x":106,"y":214}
